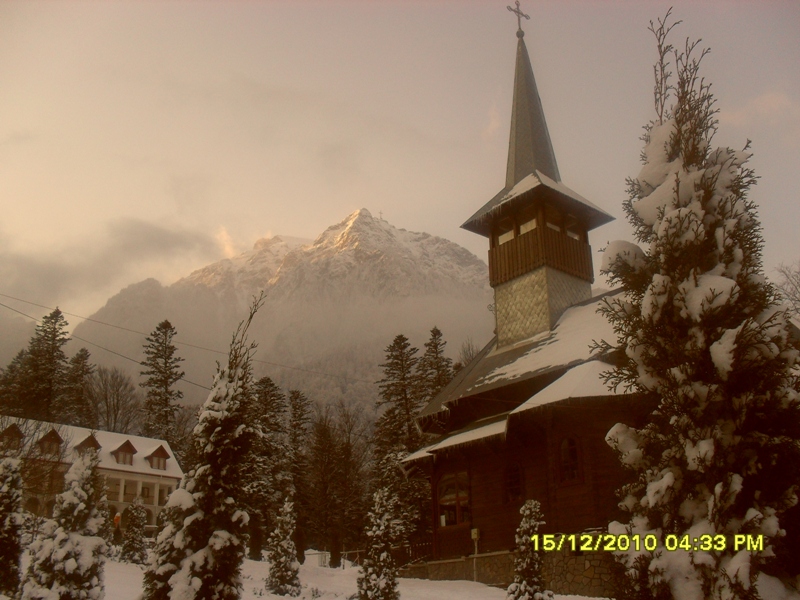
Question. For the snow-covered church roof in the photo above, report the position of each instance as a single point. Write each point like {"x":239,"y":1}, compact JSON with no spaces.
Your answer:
{"x":566,"y":345}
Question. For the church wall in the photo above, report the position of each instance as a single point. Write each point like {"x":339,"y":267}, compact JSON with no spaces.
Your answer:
{"x":532,"y":303}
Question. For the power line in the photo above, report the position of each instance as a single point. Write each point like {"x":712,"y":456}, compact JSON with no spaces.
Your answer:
{"x":177,"y":343}
{"x":133,"y":360}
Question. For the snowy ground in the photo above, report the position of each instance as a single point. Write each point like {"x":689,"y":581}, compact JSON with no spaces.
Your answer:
{"x":124,"y":582}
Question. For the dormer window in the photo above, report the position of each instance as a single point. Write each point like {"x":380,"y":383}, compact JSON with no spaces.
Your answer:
{"x":158,"y":459}
{"x":11,"y":438}
{"x":50,"y":443}
{"x":90,"y":443}
{"x":124,"y":454}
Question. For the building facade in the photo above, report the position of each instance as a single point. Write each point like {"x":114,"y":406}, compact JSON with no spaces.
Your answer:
{"x":133,"y":466}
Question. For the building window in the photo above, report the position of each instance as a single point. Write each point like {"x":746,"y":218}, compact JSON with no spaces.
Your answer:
{"x":124,"y":458}
{"x":513,"y":483}
{"x":568,"y":463}
{"x":527,"y":226}
{"x":145,"y":492}
{"x":453,"y":499}
{"x":158,"y":462}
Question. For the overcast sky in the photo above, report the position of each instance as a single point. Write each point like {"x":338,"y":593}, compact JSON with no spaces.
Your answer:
{"x":150,"y":138}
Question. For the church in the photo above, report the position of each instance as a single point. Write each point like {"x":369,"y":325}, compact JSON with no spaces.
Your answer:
{"x":527,"y":418}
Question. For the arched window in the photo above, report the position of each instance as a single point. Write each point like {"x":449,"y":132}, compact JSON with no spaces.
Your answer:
{"x":453,"y":495}
{"x":569,"y":464}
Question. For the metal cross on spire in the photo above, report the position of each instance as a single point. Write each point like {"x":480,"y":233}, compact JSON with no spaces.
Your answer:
{"x":519,"y":14}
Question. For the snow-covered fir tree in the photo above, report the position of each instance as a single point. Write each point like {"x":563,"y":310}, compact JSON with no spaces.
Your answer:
{"x":199,"y":552}
{"x":134,"y":548}
{"x":698,"y":329}
{"x":528,"y":560}
{"x":283,"y":566}
{"x":396,"y":433}
{"x":10,"y":525}
{"x":266,"y":478}
{"x":68,"y":553}
{"x":162,"y":370}
{"x":378,"y":578}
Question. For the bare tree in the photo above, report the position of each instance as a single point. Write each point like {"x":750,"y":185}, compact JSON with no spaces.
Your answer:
{"x":116,"y":401}
{"x":789,"y":284}
{"x":465,"y":356}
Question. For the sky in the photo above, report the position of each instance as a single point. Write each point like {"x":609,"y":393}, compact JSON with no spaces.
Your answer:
{"x":147,"y":139}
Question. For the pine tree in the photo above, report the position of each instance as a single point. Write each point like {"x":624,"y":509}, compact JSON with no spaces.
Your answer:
{"x":74,"y":405}
{"x":299,"y":420}
{"x":283,"y":566}
{"x":162,"y":369}
{"x":698,"y":330}
{"x":200,"y":550}
{"x":133,"y":546}
{"x":528,"y":561}
{"x":400,"y":394}
{"x":267,"y":479}
{"x":378,"y":578}
{"x":396,"y":432}
{"x":45,"y":368}
{"x":434,"y":369}
{"x":68,"y":553}
{"x":13,"y":385}
{"x":10,"y":525}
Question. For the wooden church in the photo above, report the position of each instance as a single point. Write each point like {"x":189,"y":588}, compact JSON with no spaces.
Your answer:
{"x":527,"y":418}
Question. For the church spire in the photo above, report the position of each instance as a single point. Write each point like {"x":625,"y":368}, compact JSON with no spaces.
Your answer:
{"x":529,"y":146}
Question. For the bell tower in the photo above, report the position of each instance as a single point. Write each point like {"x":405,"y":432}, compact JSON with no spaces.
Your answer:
{"x":540,"y":261}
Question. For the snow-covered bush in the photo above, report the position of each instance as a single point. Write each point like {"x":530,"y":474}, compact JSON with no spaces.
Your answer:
{"x":378,"y":578}
{"x":68,"y":553}
{"x":133,"y":545}
{"x":200,"y":550}
{"x":10,"y":525}
{"x":528,"y":561}
{"x":282,"y":555}
{"x":699,"y":331}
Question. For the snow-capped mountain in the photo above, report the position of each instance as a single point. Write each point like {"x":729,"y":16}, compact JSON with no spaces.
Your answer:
{"x":332,"y":305}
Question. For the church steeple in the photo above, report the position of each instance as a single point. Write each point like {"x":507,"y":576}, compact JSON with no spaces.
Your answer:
{"x":540,"y":261}
{"x":529,"y":146}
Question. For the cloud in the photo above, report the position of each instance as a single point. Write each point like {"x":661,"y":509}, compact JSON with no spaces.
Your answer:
{"x":773,"y":109}
{"x":225,"y":243}
{"x":127,"y":249}
{"x":493,"y":126}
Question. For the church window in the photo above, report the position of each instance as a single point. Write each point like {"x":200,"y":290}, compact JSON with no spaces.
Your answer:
{"x":453,"y":499}
{"x":505,"y":232}
{"x":527,"y":226}
{"x":568,"y":463}
{"x":513,"y":483}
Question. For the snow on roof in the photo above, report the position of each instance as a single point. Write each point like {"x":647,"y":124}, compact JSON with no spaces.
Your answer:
{"x":109,"y":442}
{"x":480,"y":430}
{"x":567,"y":343}
{"x":583,"y":381}
{"x":593,"y":214}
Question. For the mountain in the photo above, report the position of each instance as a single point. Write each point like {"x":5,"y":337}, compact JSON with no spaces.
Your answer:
{"x":332,"y":306}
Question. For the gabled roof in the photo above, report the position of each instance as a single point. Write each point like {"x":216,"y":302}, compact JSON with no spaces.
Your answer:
{"x":126,"y":447}
{"x":50,"y":437}
{"x":89,"y":442}
{"x":159,"y":452}
{"x":566,"y":345}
